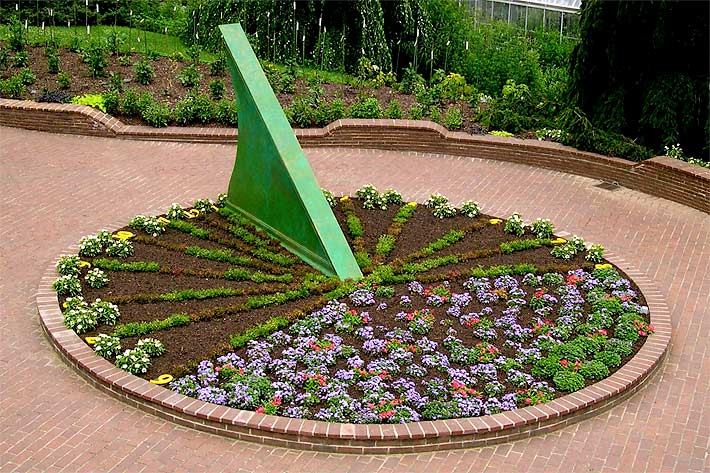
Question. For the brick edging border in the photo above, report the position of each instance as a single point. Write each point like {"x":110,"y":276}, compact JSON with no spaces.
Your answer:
{"x":362,"y":438}
{"x":661,"y":176}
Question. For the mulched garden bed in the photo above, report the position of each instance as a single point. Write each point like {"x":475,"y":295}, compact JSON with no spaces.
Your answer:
{"x":456,"y":316}
{"x":167,"y":89}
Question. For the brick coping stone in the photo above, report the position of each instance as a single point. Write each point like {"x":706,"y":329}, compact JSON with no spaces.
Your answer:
{"x":361,"y":438}
{"x":660,"y":176}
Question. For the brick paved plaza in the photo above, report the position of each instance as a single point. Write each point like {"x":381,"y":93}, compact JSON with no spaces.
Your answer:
{"x":57,"y":188}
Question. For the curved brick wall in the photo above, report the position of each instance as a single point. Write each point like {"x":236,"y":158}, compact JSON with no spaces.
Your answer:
{"x":356,"y":438}
{"x":660,"y":176}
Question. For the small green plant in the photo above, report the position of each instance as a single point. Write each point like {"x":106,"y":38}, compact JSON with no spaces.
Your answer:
{"x":542,"y":228}
{"x":107,"y":345}
{"x":226,"y":112}
{"x":189,"y":76}
{"x":105,"y":312}
{"x":134,"y":361}
{"x":216,"y":87}
{"x":120,"y":249}
{"x":92,"y":100}
{"x":440,"y":205}
{"x":391,"y":196}
{"x":136,"y":329}
{"x":594,"y":370}
{"x":96,"y":278}
{"x":151,"y":346}
{"x":53,"y":65}
{"x":68,"y":265}
{"x":20,"y":59}
{"x":514,"y":225}
{"x":610,"y":359}
{"x":67,"y":285}
{"x":453,"y":120}
{"x":64,"y":80}
{"x":157,"y":115}
{"x":385,"y":244}
{"x":565,"y":252}
{"x":80,"y":319}
{"x":504,"y":134}
{"x":134,"y":267}
{"x":218,"y":66}
{"x":95,"y":58}
{"x":143,"y":72}
{"x":568,"y":381}
{"x":115,"y":82}
{"x":90,"y":245}
{"x":393,"y":110}
{"x":595,"y":254}
{"x":354,"y":226}
{"x":365,"y":108}
{"x":151,"y":225}
{"x":470,"y":209}
{"x":26,"y":76}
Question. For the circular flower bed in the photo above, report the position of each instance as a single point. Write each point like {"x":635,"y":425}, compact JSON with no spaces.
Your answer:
{"x":459,"y":314}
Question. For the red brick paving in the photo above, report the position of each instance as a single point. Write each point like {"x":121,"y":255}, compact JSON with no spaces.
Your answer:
{"x":58,"y":188}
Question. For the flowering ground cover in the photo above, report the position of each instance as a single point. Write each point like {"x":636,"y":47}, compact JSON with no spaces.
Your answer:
{"x":459,"y":314}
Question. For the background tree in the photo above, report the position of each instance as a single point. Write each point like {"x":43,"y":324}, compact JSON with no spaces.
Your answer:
{"x":642,"y":69}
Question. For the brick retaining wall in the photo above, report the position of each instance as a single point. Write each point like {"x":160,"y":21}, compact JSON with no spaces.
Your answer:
{"x":660,"y":176}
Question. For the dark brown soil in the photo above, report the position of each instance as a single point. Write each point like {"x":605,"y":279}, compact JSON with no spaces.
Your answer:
{"x":202,"y":339}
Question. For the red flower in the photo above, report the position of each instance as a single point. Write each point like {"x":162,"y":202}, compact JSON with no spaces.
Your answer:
{"x":564,"y":363}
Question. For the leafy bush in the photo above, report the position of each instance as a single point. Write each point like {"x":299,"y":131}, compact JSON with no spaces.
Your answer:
{"x":226,"y":112}
{"x":594,"y":370}
{"x":568,"y":381}
{"x":96,"y":278}
{"x":90,"y":245}
{"x":95,"y":58}
{"x":327,"y":113}
{"x":67,"y":285}
{"x":514,"y":225}
{"x":610,"y":359}
{"x":470,"y":209}
{"x":64,"y":80}
{"x":26,"y":76}
{"x":440,"y":205}
{"x":393,"y":110}
{"x":20,"y":59}
{"x":189,"y":76}
{"x":453,"y":120}
{"x":216,"y":89}
{"x":92,"y":100}
{"x":68,"y":265}
{"x":365,"y":108}
{"x":542,"y":228}
{"x":410,"y":81}
{"x":80,"y":319}
{"x":151,"y":346}
{"x":107,"y":345}
{"x":218,"y":66}
{"x":134,"y":361}
{"x":157,"y":114}
{"x":514,"y":111}
{"x":12,"y":88}
{"x":105,"y":312}
{"x":53,"y":63}
{"x":120,"y":248}
{"x":144,"y":72}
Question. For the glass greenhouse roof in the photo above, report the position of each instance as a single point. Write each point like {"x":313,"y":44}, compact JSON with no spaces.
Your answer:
{"x":571,"y":6}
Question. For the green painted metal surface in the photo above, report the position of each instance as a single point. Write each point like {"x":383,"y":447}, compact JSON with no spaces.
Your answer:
{"x":272,"y":183}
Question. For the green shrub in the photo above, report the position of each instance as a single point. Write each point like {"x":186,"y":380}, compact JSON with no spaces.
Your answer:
{"x":95,"y":58}
{"x":594,"y":370}
{"x":620,"y":347}
{"x":144,"y":72}
{"x":385,"y":244}
{"x":568,"y":381}
{"x":514,"y":111}
{"x":327,"y":113}
{"x":112,"y":102}
{"x":18,"y":35}
{"x":226,"y":112}
{"x":354,"y":226}
{"x":218,"y":66}
{"x":216,"y":87}
{"x":302,"y":112}
{"x":12,"y":88}
{"x":453,"y":120}
{"x":410,"y":81}
{"x":64,"y":80}
{"x":136,"y":329}
{"x":53,"y":63}
{"x":365,"y":108}
{"x":27,"y":77}
{"x":416,"y":112}
{"x":20,"y":59}
{"x":189,"y":76}
{"x":157,"y":114}
{"x":610,"y":359}
{"x":92,"y":100}
{"x":393,"y":110}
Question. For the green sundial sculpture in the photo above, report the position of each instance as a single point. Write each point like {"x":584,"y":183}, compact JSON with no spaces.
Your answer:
{"x":272,"y":183}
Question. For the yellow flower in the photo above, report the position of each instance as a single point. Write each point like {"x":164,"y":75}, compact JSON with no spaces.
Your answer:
{"x":558,"y":241}
{"x":603,"y":266}
{"x":495,"y":221}
{"x":90,"y":340}
{"x":344,"y":198}
{"x":163,"y":220}
{"x":123,"y":235}
{"x":84,"y":264}
{"x":162,"y":379}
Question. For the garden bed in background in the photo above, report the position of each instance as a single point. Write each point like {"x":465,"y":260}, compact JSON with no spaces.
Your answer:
{"x":459,"y":314}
